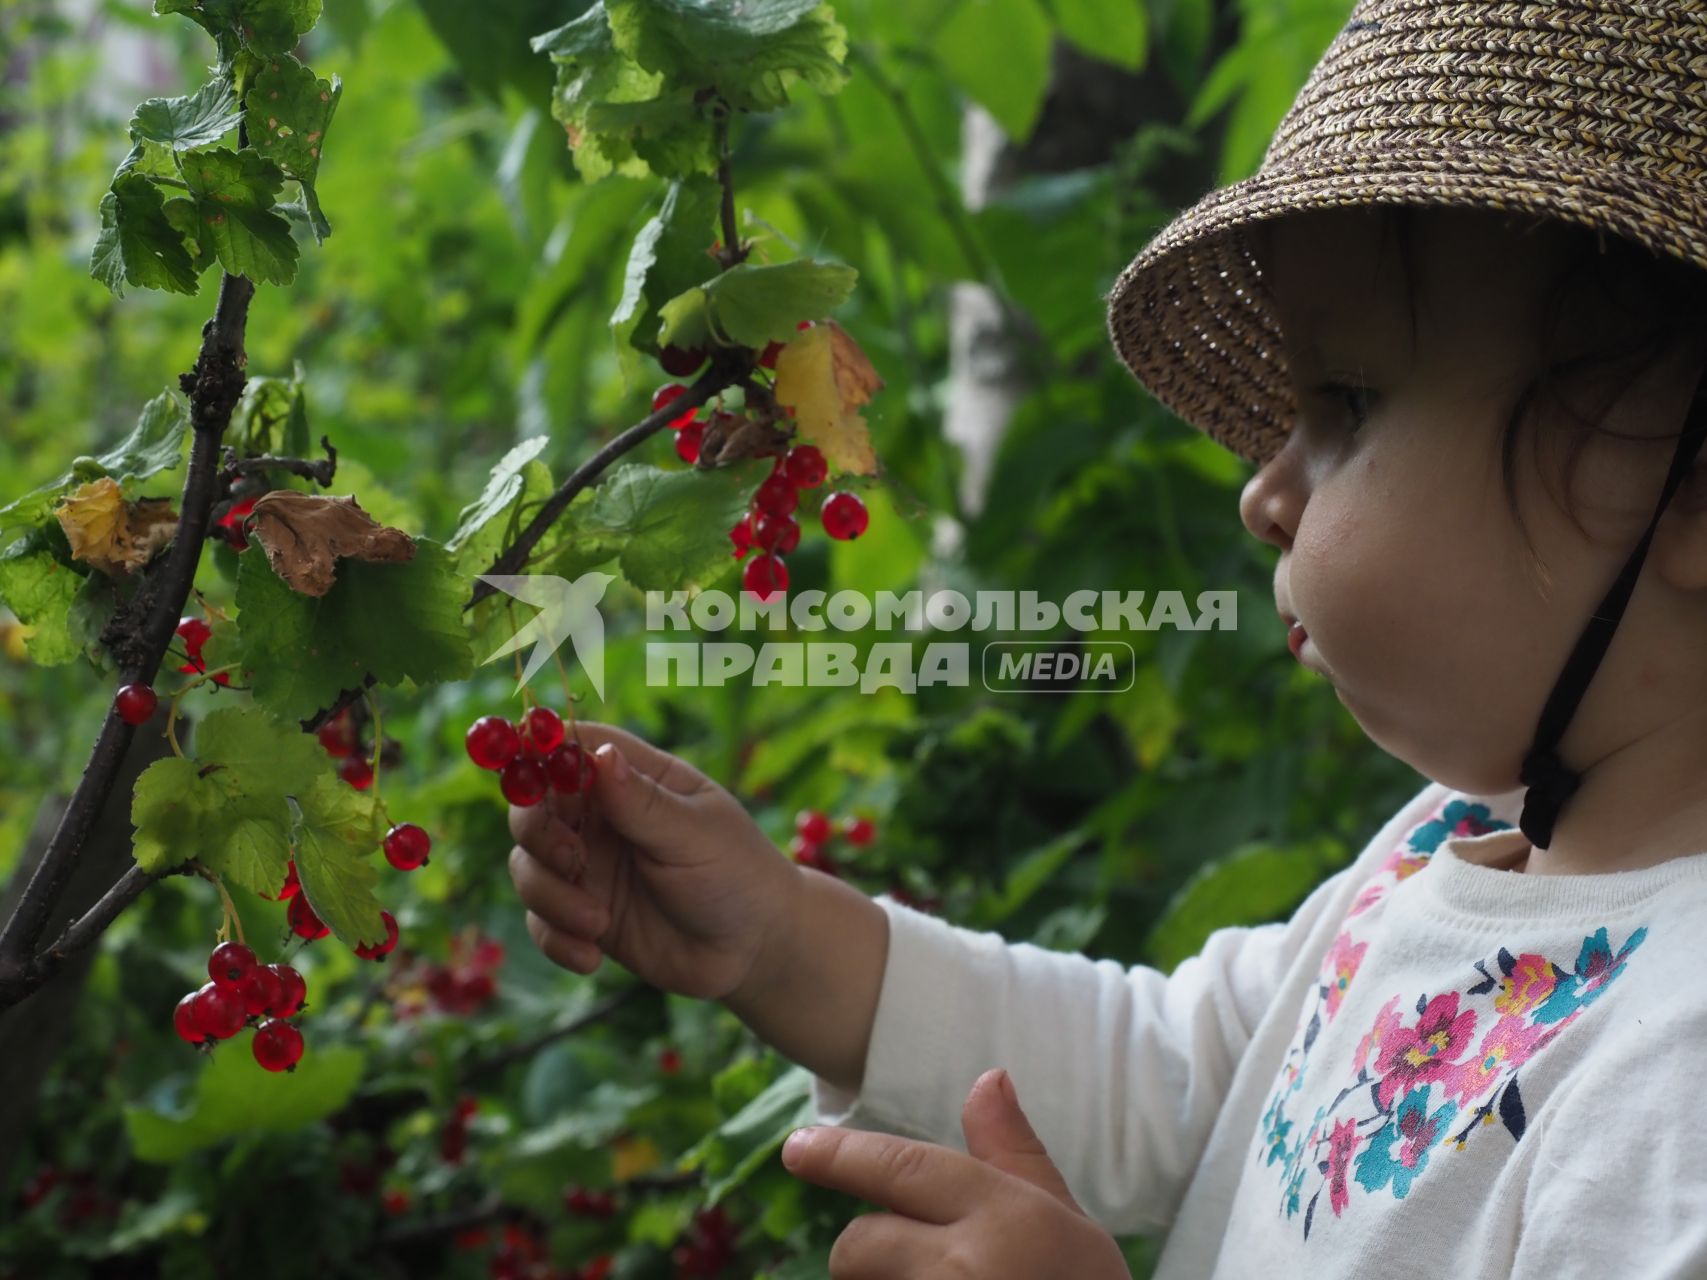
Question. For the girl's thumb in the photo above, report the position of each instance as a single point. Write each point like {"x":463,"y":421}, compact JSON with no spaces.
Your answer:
{"x":635,"y":804}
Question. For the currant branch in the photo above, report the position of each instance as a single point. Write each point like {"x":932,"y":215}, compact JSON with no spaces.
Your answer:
{"x":321,"y":471}
{"x":214,"y":385}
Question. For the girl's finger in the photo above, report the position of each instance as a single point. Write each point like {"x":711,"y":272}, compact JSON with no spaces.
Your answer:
{"x":576,"y":954}
{"x":566,"y":907}
{"x":883,"y":1246}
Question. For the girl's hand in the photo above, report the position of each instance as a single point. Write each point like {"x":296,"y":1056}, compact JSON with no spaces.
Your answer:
{"x":669,"y":875}
{"x":1000,"y":1212}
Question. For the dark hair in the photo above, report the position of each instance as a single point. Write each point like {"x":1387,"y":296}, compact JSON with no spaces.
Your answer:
{"x":1646,"y":301}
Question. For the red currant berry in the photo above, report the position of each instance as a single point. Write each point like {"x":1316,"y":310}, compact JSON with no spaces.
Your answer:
{"x":569,"y":769}
{"x":813,"y":825}
{"x":492,"y":742}
{"x":407,"y":846}
{"x":337,"y":736}
{"x":805,"y":466}
{"x":394,"y":1201}
{"x":185,"y":1022}
{"x":357,"y":771}
{"x":844,"y":516}
{"x":668,"y":394}
{"x":669,"y":1062}
{"x":524,"y":781}
{"x":776,"y":496}
{"x":292,"y":991}
{"x":379,"y":950}
{"x":741,"y":534}
{"x":544,"y":726}
{"x":765,"y":575}
{"x":780,"y":534}
{"x":858,"y":831}
{"x":194,"y":633}
{"x":292,"y":886}
{"x":688,"y":441}
{"x":136,"y":703}
{"x":262,"y":993}
{"x":278,"y":1045}
{"x":768,"y":359}
{"x":681,"y":362}
{"x":231,"y":964}
{"x":303,"y":922}
{"x":219,"y":1012}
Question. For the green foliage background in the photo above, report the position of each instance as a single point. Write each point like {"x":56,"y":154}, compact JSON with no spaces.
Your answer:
{"x":462,"y":305}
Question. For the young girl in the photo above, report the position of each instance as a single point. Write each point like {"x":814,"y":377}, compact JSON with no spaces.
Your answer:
{"x":1459,"y":320}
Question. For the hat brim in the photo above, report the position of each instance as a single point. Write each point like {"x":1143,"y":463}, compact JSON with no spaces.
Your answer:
{"x":1191,"y":315}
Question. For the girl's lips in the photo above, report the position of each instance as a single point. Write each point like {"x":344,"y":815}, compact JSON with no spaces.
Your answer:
{"x":1295,"y":639}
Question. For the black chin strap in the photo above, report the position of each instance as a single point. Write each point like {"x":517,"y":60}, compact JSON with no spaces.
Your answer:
{"x":1550,"y":783}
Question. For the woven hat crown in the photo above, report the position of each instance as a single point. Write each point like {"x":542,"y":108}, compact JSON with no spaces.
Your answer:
{"x":1591,"y":112}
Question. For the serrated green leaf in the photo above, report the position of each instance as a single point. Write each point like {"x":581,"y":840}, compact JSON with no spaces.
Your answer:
{"x":397,"y":621}
{"x":170,"y":805}
{"x":272,"y":417}
{"x":42,"y":591}
{"x":179,"y":124}
{"x":236,"y":1096}
{"x":670,"y":255}
{"x":753,"y":53}
{"x":290,"y":110}
{"x":752,"y":305}
{"x":503,"y":487}
{"x":731,"y":1152}
{"x":231,"y":197}
{"x":138,"y":244}
{"x":268,"y":27}
{"x":337,"y":828}
{"x":673,"y":526}
{"x":155,"y":444}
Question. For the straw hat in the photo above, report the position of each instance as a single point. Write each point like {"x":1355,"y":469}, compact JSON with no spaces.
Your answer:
{"x":1591,"y":111}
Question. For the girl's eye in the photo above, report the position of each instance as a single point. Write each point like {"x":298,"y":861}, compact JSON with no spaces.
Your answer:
{"x":1355,"y":398}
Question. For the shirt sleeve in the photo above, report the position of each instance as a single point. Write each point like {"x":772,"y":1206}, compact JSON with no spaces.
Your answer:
{"x":1619,"y":1181}
{"x":1121,"y":1071}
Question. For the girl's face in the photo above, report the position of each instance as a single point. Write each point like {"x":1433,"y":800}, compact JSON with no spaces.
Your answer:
{"x":1400,"y":555}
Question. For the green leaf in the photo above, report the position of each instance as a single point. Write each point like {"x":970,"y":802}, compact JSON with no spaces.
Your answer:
{"x":268,"y":27}
{"x":752,"y":305}
{"x":397,"y":621}
{"x":180,"y":124}
{"x":673,"y":525}
{"x":337,"y":828}
{"x":138,"y":244}
{"x":503,"y":487}
{"x":41,"y":591}
{"x":290,"y":110}
{"x":272,"y":417}
{"x":231,"y":210}
{"x":236,"y":1097}
{"x":741,"y":1144}
{"x":1116,"y":31}
{"x":998,"y":51}
{"x":490,"y":42}
{"x":670,"y":255}
{"x":155,"y":444}
{"x":752,"y":52}
{"x":227,"y":806}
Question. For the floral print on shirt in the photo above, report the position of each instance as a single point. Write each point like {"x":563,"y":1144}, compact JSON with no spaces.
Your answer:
{"x":1427,"y":1082}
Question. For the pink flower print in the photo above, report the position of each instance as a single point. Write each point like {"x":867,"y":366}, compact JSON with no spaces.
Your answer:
{"x":1387,"y":1023}
{"x":1510,"y":1042}
{"x":1530,"y":982}
{"x":1415,"y":1056}
{"x":1367,"y":898}
{"x":1342,"y":1146}
{"x":1342,"y":965}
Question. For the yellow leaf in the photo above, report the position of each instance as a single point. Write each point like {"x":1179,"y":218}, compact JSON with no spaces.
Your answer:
{"x":111,"y":534}
{"x":825,"y":377}
{"x":631,"y":1157}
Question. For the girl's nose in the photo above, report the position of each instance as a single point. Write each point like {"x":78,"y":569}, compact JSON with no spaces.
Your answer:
{"x":1273,"y":499}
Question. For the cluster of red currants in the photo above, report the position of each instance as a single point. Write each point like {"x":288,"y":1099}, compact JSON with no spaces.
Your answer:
{"x":813,"y":829}
{"x":530,"y":757}
{"x":708,"y":1247}
{"x":195,"y":633}
{"x":461,"y":988}
{"x":453,"y":1138}
{"x":587,"y":1202}
{"x":229,"y":527}
{"x":522,"y":1254}
{"x":83,"y":1201}
{"x":342,"y":738}
{"x":406,"y":848}
{"x":770,"y":525}
{"x":242,"y":990}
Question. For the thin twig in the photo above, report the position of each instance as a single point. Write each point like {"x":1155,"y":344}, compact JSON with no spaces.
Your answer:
{"x":320,"y":470}
{"x":522,"y":1050}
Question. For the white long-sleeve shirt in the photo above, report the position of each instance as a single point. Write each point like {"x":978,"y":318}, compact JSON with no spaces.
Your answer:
{"x":1438,"y":1067}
